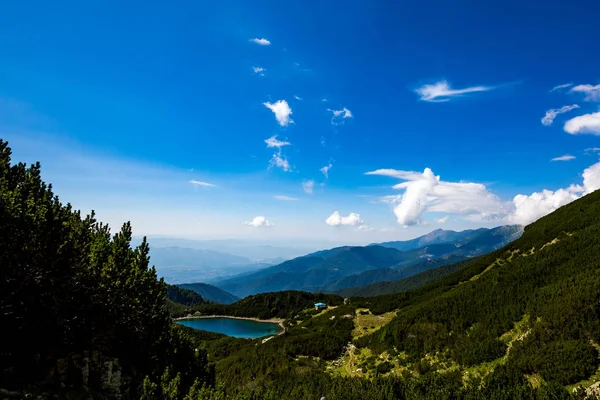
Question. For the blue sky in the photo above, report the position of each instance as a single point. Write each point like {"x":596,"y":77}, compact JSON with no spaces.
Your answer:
{"x":130,"y":106}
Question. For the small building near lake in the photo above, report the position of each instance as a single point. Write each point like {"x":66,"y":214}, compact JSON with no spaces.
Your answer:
{"x":320,"y":306}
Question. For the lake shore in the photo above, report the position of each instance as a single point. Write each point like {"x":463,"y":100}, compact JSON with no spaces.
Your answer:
{"x":277,"y":321}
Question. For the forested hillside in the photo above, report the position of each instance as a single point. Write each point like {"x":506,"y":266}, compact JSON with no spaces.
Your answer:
{"x":210,"y":292}
{"x":547,"y":282}
{"x":184,"y":296}
{"x":520,"y":323}
{"x":387,"y":275}
{"x":405,"y":284}
{"x":284,"y":304}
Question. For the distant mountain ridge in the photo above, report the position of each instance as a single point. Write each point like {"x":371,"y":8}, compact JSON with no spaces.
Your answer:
{"x":310,"y":271}
{"x":447,"y":236}
{"x":210,"y":292}
{"x":387,"y":275}
{"x":351,"y":266}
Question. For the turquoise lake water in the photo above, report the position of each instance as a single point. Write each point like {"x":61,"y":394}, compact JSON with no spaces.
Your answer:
{"x":239,"y":328}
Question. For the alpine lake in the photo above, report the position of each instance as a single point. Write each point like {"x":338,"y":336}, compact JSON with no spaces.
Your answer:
{"x":239,"y":328}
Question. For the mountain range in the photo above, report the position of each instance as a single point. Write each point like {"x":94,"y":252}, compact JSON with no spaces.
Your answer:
{"x":351,"y":266}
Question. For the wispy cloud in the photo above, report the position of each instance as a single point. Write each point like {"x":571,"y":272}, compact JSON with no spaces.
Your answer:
{"x":365,"y":228}
{"x":442,"y":220}
{"x":200,"y":183}
{"x":262,"y":42}
{"x":340,"y":115}
{"x":335,"y":219}
{"x":282,"y":111}
{"x":280,"y":161}
{"x":396,"y":173}
{"x":297,"y":97}
{"x":592,"y":93}
{"x":308,"y":186}
{"x":551,"y":114}
{"x":259,"y":70}
{"x":284,"y":198}
{"x":558,"y":87}
{"x":259,"y":222}
{"x":587,"y":123}
{"x":441,"y":91}
{"x":566,"y":157}
{"x":273,"y":142}
{"x":592,"y":149}
{"x":325,"y":170}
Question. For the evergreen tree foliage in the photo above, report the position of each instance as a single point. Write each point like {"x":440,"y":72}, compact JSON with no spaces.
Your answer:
{"x":183,"y":296}
{"x":70,"y":290}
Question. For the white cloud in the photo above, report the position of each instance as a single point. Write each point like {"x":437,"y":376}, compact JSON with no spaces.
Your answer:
{"x":551,"y":114}
{"x":442,"y":220}
{"x":325,"y":170}
{"x":297,"y":97}
{"x":558,"y":87}
{"x":259,"y":70}
{"x":591,"y":178}
{"x":340,"y":115}
{"x":335,"y":219}
{"x":203,"y":184}
{"x":308,"y":186}
{"x":592,"y":93}
{"x":532,"y":207}
{"x":587,"y":123}
{"x":425,"y":192}
{"x":258,"y":222}
{"x":592,"y":149}
{"x":529,"y":208}
{"x":282,"y":111}
{"x":566,"y":157}
{"x":441,"y":91}
{"x":284,"y":198}
{"x":262,"y":42}
{"x":273,"y":142}
{"x":281,"y":162}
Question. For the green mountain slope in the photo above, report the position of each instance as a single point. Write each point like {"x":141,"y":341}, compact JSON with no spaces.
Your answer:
{"x":351,"y":266}
{"x":285,"y":304}
{"x":549,"y":279}
{"x":184,"y":296}
{"x":389,"y":278}
{"x":210,"y":292}
{"x":311,"y":271}
{"x":405,"y":284}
